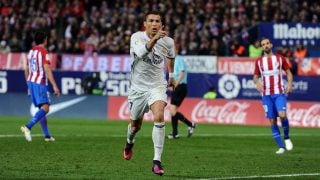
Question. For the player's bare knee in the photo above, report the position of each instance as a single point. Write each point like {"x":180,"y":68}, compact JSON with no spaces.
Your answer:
{"x":135,"y":129}
{"x":135,"y":126}
{"x":273,"y":121}
{"x":45,"y":107}
{"x":282,"y":115}
{"x":159,"y":117}
{"x":173,"y":110}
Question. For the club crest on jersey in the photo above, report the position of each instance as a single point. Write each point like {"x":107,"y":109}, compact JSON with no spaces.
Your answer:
{"x":164,"y":50}
{"x":276,"y":64}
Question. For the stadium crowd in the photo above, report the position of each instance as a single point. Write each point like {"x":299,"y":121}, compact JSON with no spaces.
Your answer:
{"x":202,"y":27}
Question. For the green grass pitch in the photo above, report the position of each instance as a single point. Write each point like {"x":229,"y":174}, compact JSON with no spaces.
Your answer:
{"x":92,"y":149}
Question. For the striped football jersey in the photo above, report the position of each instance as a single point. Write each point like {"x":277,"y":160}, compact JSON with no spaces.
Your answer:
{"x":270,"y":70}
{"x":36,"y":58}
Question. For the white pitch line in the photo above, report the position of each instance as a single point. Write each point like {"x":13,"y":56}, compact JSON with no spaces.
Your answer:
{"x":140,"y":135}
{"x":17,"y":135}
{"x":252,"y":135}
{"x":265,"y":176}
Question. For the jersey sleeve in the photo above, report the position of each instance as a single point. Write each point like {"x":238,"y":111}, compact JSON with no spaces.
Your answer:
{"x":183,"y":66}
{"x":285,"y":63}
{"x":256,"y":68}
{"x":171,"y":53}
{"x":137,"y":46}
{"x":45,"y":57}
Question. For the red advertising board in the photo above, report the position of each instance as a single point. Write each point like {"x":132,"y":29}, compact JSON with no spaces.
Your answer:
{"x":236,"y":65}
{"x":16,"y":61}
{"x":309,"y":67}
{"x":221,"y":111}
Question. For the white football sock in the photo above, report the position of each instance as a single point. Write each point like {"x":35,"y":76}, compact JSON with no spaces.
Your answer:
{"x":158,"y":134}
{"x":130,"y":135}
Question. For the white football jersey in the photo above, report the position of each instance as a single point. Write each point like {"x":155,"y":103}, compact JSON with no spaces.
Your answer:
{"x":148,"y":67}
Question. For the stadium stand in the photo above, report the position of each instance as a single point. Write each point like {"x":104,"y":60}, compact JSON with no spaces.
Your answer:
{"x":198,"y":26}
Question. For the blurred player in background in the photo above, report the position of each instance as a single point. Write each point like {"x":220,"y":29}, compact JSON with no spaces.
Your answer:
{"x":274,"y":99}
{"x":37,"y":73}
{"x":180,"y":91}
{"x":149,"y":49}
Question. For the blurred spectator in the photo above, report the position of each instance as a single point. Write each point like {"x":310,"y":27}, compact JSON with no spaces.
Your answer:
{"x":4,"y":48}
{"x":237,"y":49}
{"x":211,"y":94}
{"x":300,"y":51}
{"x":255,"y":49}
{"x":216,"y":48}
{"x":92,"y":84}
{"x":209,"y":27}
{"x":15,"y":43}
{"x":92,"y":43}
{"x":294,"y":65}
{"x":286,"y":52}
{"x":299,"y":54}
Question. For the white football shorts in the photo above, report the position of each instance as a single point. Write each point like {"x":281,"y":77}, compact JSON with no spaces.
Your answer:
{"x":140,"y":102}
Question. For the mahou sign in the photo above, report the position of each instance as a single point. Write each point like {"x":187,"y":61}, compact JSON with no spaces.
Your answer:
{"x":221,"y":111}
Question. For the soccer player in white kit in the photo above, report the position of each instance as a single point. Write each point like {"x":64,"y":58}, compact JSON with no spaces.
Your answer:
{"x":149,"y":49}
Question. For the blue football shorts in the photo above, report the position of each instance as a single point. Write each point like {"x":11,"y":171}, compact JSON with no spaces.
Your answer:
{"x":272,"y":104}
{"x":39,"y":93}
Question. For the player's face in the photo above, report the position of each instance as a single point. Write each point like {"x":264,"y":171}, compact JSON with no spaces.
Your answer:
{"x":152,"y":24}
{"x":266,"y":46}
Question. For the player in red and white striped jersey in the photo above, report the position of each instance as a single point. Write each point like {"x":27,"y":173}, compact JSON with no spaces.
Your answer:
{"x":37,"y":58}
{"x":37,"y":73}
{"x":270,"y":68}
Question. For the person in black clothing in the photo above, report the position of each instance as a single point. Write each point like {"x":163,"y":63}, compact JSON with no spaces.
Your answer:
{"x":179,"y":93}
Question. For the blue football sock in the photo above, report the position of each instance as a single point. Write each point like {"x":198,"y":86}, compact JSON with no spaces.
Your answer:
{"x":285,"y":126}
{"x":276,"y":135}
{"x":36,"y":118}
{"x":44,"y":127}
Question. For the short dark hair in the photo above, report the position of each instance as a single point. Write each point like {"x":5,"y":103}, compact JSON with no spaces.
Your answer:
{"x":263,"y":38}
{"x":40,"y":37}
{"x":153,"y":13}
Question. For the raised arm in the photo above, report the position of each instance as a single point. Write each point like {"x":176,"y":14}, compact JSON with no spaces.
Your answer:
{"x":142,"y":49}
{"x":160,"y":34}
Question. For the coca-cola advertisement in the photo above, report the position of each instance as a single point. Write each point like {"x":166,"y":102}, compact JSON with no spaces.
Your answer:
{"x":221,"y":111}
